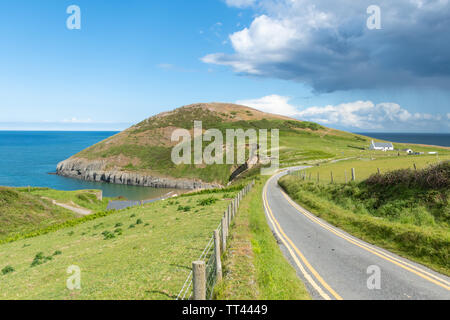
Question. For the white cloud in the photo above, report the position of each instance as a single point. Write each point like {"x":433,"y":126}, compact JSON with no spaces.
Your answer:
{"x":76,"y":120}
{"x":364,"y":115}
{"x":272,"y":104}
{"x":240,"y":3}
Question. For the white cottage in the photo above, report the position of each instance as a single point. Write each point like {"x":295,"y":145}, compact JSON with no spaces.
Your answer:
{"x":383,"y":146}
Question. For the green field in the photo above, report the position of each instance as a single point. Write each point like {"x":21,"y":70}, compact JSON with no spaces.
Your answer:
{"x":138,"y":253}
{"x":367,"y":166}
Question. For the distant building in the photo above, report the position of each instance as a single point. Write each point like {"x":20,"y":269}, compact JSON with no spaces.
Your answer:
{"x":382,"y":146}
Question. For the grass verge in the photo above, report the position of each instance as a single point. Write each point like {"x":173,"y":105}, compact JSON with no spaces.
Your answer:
{"x":426,"y":244}
{"x":254,"y":266}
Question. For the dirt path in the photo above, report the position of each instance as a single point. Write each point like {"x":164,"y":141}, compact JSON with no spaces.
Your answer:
{"x":81,"y":211}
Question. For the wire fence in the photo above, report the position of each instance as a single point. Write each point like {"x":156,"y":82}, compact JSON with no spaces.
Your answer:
{"x":186,"y":292}
{"x":209,"y":256}
{"x":346,"y":175}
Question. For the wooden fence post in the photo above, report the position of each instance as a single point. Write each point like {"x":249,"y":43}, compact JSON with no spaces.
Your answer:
{"x":230,"y":210}
{"x":345,"y":172}
{"x":318,"y":177}
{"x":199,"y":280}
{"x":353,"y":174}
{"x":415,"y":167}
{"x":217,"y":252}
{"x":379,"y":171}
{"x":224,"y":234}
{"x":332,"y":179}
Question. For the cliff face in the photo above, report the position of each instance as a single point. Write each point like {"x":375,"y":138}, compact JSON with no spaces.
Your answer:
{"x":94,"y":170}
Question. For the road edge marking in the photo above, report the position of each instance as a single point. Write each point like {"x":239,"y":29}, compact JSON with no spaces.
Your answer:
{"x":284,"y":238}
{"x":418,"y":272}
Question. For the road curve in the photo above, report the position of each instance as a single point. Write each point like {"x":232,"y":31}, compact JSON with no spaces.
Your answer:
{"x":337,"y":266}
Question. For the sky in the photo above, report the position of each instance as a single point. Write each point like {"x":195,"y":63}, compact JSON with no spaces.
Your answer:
{"x":314,"y":60}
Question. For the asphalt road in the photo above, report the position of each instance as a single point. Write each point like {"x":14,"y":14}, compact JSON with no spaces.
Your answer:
{"x":335,"y":265}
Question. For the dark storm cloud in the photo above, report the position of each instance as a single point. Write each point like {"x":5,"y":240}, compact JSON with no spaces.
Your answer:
{"x":327,"y":44}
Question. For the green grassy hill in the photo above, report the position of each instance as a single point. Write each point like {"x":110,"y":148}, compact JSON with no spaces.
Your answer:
{"x":22,"y":212}
{"x":146,"y":147}
{"x":25,"y":210}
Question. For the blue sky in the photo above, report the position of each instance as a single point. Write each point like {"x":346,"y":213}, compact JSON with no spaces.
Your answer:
{"x":133,"y":59}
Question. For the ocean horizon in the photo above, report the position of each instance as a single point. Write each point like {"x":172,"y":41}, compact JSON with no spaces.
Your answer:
{"x":435,"y":139}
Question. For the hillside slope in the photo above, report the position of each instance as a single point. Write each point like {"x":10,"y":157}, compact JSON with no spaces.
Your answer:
{"x":141,"y":155}
{"x":22,"y":212}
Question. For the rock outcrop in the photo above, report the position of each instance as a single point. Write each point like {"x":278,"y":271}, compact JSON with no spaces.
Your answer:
{"x":95,"y":170}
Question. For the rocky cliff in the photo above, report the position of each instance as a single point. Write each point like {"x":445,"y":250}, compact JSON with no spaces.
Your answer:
{"x":95,"y":171}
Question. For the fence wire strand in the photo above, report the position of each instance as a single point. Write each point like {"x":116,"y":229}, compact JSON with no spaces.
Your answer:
{"x":208,"y":255}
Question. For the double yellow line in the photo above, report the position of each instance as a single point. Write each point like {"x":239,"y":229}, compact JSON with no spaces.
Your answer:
{"x":291,"y":248}
{"x":382,"y":254}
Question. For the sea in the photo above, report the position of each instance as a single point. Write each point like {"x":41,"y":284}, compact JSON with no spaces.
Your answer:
{"x":27,"y":158}
{"x":436,"y":139}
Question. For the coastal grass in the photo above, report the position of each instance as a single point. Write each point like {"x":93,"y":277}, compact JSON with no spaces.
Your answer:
{"x":369,"y":165}
{"x":254,"y":266}
{"x":87,"y":199}
{"x":22,"y":213}
{"x":411,"y":221}
{"x":137,"y":253}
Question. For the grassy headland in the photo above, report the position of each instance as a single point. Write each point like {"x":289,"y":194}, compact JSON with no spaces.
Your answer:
{"x":145,"y":148}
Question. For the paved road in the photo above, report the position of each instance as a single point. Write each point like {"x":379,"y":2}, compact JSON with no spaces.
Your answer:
{"x":335,"y":265}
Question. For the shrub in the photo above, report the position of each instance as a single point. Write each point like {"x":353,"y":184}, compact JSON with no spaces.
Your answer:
{"x":8,"y":269}
{"x":207,"y":201}
{"x":434,"y":177}
{"x":108,"y":235}
{"x":184,"y":208}
{"x":39,"y":259}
